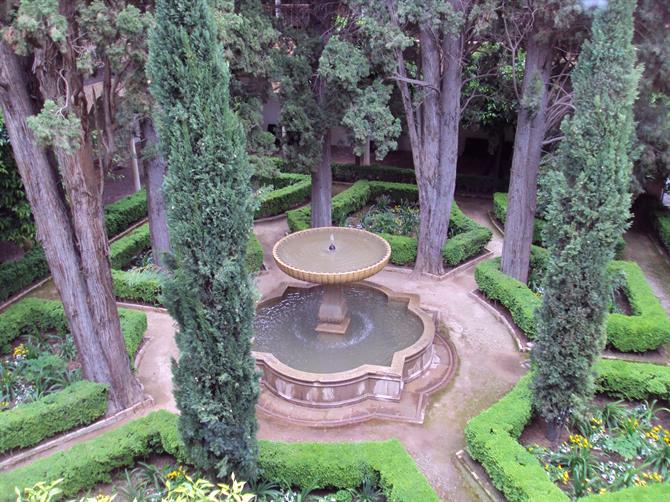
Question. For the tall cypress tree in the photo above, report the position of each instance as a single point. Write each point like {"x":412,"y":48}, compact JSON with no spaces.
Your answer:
{"x":209,"y":205}
{"x":587,"y":211}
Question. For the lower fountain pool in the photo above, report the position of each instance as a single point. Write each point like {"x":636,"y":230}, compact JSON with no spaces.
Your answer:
{"x":379,"y":328}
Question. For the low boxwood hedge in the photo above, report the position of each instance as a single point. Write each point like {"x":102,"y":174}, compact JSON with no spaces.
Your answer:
{"x":470,"y":238}
{"x":661,"y":222}
{"x":465,"y":183}
{"x":646,"y":329}
{"x":78,"y":404}
{"x":254,"y":254}
{"x":124,"y":250}
{"x":492,"y":437}
{"x":290,"y":190}
{"x":321,"y":465}
{"x":33,"y":266}
{"x":31,"y":316}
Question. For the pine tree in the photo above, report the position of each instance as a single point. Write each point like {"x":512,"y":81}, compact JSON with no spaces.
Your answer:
{"x":587,"y":211}
{"x":209,"y":204}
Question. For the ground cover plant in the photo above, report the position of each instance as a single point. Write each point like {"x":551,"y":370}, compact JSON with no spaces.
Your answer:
{"x":467,"y":237}
{"x":613,"y":432}
{"x":636,"y":325}
{"x":337,"y":469}
{"x":41,"y":387}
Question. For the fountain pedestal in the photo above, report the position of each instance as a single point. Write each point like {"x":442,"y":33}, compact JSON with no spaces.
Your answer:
{"x":333,"y":318}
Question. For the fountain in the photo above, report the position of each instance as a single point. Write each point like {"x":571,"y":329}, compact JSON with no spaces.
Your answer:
{"x":336,"y":339}
{"x":317,"y":256}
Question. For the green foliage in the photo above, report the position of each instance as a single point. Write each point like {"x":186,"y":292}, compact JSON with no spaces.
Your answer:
{"x":19,"y":274}
{"x":210,"y":212}
{"x":33,"y":316}
{"x":124,"y":212}
{"x":492,"y":436}
{"x":330,"y":465}
{"x":470,"y":238}
{"x":647,"y":328}
{"x":144,"y":285}
{"x":296,"y":191}
{"x":28,"y":424}
{"x":587,"y":211}
{"x":124,"y":250}
{"x":661,"y":222}
{"x":16,"y":219}
{"x":500,"y":212}
{"x":254,"y":260}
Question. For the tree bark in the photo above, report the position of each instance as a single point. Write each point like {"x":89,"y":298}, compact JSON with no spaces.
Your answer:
{"x":322,"y":187}
{"x":137,"y":185}
{"x":154,"y":169}
{"x":73,"y":238}
{"x":530,"y":131}
{"x":367,"y":153}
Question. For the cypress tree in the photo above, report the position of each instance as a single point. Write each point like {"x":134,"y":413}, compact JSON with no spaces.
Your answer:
{"x":587,"y":211}
{"x":209,"y":208}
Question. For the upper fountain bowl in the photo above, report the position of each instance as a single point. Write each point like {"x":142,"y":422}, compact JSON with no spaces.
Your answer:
{"x":308,"y":255}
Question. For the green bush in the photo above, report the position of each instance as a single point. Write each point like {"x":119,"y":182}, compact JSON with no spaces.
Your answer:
{"x":328,"y":465}
{"x":19,"y":274}
{"x":470,"y":238}
{"x":290,"y":191}
{"x":28,"y":424}
{"x":646,"y":329}
{"x":500,"y":212}
{"x":32,"y":316}
{"x":124,"y":212}
{"x":124,"y":250}
{"x":492,"y":436}
{"x":137,"y":285}
{"x":254,"y":254}
{"x":661,"y":222}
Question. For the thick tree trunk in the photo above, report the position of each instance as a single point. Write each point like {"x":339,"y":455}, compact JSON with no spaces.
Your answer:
{"x":530,"y":130}
{"x":436,"y":172}
{"x":322,"y":187}
{"x":135,"y":168}
{"x":75,"y":243}
{"x":154,"y":169}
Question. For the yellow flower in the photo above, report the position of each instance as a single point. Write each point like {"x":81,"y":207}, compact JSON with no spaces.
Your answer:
{"x":602,"y":490}
{"x":20,"y":351}
{"x":565,"y":477}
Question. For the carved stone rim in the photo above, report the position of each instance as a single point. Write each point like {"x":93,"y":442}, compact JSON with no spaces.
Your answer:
{"x":331,"y":277}
{"x":394,"y":371}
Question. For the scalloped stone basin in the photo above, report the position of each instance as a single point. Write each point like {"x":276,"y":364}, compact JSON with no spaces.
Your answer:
{"x":332,"y":256}
{"x":389,"y":342}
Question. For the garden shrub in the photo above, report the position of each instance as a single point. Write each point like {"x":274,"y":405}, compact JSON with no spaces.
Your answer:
{"x":254,"y":254}
{"x":124,"y":250}
{"x":33,"y":266}
{"x":290,"y":190}
{"x":661,"y":223}
{"x":330,"y":465}
{"x":646,"y":329}
{"x":500,"y":212}
{"x":28,"y":424}
{"x":471,"y":237}
{"x":492,"y":436}
{"x":32,"y":316}
{"x":137,"y":285}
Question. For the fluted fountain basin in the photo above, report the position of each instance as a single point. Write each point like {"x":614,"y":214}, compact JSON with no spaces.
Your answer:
{"x":354,"y":255}
{"x":388,"y":343}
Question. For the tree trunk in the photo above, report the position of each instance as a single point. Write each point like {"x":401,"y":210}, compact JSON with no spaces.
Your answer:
{"x":436,"y":173}
{"x":366,"y":153}
{"x":137,"y":185}
{"x":154,"y":169}
{"x":530,"y":130}
{"x":75,"y":243}
{"x":322,"y":187}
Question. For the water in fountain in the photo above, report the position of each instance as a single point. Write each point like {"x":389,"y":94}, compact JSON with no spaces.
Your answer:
{"x":378,"y":329}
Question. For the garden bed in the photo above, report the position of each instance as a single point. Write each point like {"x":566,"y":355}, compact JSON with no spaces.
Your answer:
{"x":469,"y":238}
{"x":332,"y":467}
{"x":493,"y":440}
{"x":647,"y":328}
{"x":289,"y":190}
{"x":661,"y":224}
{"x":43,"y":393}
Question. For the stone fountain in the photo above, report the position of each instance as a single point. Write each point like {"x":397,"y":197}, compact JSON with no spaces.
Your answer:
{"x":333,"y":257}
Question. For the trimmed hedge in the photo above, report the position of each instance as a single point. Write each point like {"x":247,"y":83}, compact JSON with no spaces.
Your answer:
{"x":254,"y":254}
{"x":124,"y":250}
{"x":137,"y":286}
{"x":31,"y":316}
{"x":646,"y":329}
{"x":78,"y":404}
{"x":492,"y":438}
{"x":290,"y":190}
{"x":19,"y":274}
{"x":661,"y":222}
{"x":324,"y":465}
{"x":465,"y":183}
{"x":471,"y":237}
